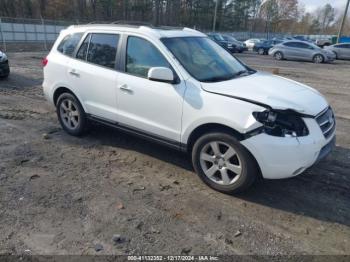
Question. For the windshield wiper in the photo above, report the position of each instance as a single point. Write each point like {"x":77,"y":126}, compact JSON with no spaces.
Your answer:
{"x":229,"y":77}
{"x":218,"y":78}
{"x":242,"y":73}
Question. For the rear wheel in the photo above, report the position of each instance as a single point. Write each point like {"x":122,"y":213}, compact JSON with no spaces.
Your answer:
{"x":278,"y":56}
{"x":223,"y":163}
{"x":261,"y":51}
{"x":318,"y":59}
{"x":71,"y":114}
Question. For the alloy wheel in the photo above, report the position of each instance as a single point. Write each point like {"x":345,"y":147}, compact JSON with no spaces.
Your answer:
{"x":318,"y":59}
{"x":278,"y":56}
{"x":69,"y":114}
{"x":220,"y":163}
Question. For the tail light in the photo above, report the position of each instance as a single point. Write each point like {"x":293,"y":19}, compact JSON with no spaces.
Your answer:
{"x":44,"y":61}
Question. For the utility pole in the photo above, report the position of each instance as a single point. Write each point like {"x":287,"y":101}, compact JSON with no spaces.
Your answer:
{"x":343,"y":21}
{"x":215,"y":14}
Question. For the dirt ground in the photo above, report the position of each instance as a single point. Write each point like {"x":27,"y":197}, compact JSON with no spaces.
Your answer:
{"x":65,"y":195}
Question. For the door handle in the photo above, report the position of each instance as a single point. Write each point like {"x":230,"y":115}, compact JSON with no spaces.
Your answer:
{"x":74,"y":73}
{"x":126,"y":88}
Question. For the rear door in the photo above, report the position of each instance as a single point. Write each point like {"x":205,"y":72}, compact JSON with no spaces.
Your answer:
{"x":347,"y":51}
{"x":93,"y":72}
{"x":343,"y":51}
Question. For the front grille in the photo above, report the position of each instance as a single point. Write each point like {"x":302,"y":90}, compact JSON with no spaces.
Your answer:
{"x":326,"y":121}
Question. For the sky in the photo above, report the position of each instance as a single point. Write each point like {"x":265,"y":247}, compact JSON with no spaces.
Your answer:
{"x":311,"y":5}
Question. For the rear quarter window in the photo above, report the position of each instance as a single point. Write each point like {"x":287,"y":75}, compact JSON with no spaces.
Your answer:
{"x":69,"y":44}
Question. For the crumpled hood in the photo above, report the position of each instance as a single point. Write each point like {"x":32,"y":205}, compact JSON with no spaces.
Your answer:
{"x":274,"y":91}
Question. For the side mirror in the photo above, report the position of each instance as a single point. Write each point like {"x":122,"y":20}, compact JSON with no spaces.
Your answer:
{"x":161,"y":74}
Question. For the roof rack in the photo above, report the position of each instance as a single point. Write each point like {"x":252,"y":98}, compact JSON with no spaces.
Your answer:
{"x":132,"y":23}
{"x":97,"y":22}
{"x":166,"y":27}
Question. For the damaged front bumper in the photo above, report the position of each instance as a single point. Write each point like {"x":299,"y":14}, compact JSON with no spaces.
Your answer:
{"x":283,"y":157}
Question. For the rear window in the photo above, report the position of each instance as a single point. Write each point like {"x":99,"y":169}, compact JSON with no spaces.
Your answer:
{"x":99,"y":49}
{"x":103,"y":49}
{"x":69,"y":43}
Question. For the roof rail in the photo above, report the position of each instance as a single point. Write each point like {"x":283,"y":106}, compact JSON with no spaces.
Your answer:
{"x":167,"y":27}
{"x":132,"y":23}
{"x":96,"y":22}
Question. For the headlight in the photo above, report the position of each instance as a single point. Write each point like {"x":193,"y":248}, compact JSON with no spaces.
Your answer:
{"x":3,"y":58}
{"x":282,"y":123}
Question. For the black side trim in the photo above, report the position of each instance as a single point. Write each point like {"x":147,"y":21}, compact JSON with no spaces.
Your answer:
{"x":140,"y":133}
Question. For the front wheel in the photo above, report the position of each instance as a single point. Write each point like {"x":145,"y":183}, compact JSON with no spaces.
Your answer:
{"x":278,"y":56}
{"x":223,"y":163}
{"x":71,"y":114}
{"x":318,"y":59}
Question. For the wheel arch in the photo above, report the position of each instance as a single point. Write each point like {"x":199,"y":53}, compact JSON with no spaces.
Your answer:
{"x":216,"y":127}
{"x":209,"y":128}
{"x":62,"y":89}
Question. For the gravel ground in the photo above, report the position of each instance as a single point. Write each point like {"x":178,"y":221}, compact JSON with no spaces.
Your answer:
{"x":67,"y":195}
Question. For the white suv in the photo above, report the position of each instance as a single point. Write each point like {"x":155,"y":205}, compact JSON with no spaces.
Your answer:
{"x":179,"y":88}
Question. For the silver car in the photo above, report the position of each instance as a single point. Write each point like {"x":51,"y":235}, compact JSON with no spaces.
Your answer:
{"x":303,"y":51}
{"x":341,"y":51}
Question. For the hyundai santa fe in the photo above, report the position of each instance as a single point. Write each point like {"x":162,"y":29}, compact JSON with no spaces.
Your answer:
{"x":177,"y":87}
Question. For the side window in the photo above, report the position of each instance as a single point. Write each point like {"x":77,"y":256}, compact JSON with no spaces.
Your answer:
{"x":83,"y":48}
{"x":141,"y":55}
{"x":302,"y":45}
{"x":69,"y":43}
{"x":290,"y":44}
{"x":102,"y":49}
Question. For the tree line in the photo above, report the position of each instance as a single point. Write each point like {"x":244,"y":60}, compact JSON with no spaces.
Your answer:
{"x":282,"y":16}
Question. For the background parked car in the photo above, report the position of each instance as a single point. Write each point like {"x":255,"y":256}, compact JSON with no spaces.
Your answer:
{"x":218,"y":38}
{"x":341,"y":51}
{"x":250,"y":43}
{"x":263,"y":47}
{"x":4,"y":65}
{"x":240,"y":46}
{"x":299,"y":50}
{"x":301,"y":38}
{"x":323,"y":42}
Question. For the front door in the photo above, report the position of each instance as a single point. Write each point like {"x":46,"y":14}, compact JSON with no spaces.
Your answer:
{"x":149,"y":106}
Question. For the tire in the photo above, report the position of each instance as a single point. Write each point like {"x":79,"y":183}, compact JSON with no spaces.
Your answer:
{"x":4,"y":77}
{"x":261,"y":51}
{"x":278,"y":56}
{"x":336,"y":55}
{"x":71,"y":115}
{"x":318,"y":59}
{"x":233,"y":175}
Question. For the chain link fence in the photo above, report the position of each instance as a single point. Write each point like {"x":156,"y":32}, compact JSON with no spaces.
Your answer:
{"x":18,"y":34}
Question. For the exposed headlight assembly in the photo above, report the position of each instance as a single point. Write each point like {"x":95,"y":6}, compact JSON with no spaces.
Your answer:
{"x":3,"y":57}
{"x":282,"y":123}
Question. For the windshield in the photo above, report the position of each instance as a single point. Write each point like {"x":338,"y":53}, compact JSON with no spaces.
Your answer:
{"x":204,"y":59}
{"x":219,"y":37}
{"x":230,"y":38}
